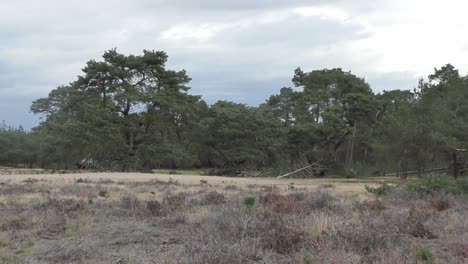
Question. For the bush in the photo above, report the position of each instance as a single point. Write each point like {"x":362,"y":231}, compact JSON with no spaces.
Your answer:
{"x":380,"y":191}
{"x":371,"y":205}
{"x":66,"y":206}
{"x":319,"y":200}
{"x":103,"y":193}
{"x":213,"y":197}
{"x":307,"y":259}
{"x":462,"y":185}
{"x":286,"y":239}
{"x":297,"y":196}
{"x":441,"y":201}
{"x":365,"y":236}
{"x":130,"y":203}
{"x":414,"y":225}
{"x":326,"y":186}
{"x":231,"y":188}
{"x":82,"y":180}
{"x":154,"y":207}
{"x":432,"y":184}
{"x":459,"y":248}
{"x":425,"y":254}
{"x":176,"y":201}
{"x":249,"y":202}
{"x":14,"y":223}
{"x":282,"y":204}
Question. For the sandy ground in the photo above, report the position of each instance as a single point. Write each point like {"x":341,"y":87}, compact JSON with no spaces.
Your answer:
{"x":343,"y":186}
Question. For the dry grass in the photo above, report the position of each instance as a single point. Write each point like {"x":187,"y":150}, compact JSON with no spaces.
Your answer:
{"x":159,"y":220}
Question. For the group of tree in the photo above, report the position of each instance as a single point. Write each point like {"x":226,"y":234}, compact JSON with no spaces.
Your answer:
{"x":131,"y":113}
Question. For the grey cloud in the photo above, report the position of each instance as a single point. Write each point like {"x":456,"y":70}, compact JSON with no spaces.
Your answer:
{"x":246,"y":91}
{"x":14,"y":110}
{"x":294,"y":33}
{"x":392,"y":81}
{"x":46,"y":43}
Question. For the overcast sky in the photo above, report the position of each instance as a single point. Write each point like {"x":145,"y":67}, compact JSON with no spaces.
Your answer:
{"x":240,"y":50}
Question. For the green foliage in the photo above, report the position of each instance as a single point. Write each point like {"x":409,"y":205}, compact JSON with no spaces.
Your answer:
{"x":425,"y":254}
{"x":25,"y":247}
{"x":379,"y":191}
{"x":249,"y":202}
{"x":104,"y":193}
{"x":129,"y":112}
{"x":307,"y":259}
{"x":432,"y":184}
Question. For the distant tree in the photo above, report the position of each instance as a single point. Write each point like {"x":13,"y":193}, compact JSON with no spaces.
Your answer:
{"x":108,"y":111}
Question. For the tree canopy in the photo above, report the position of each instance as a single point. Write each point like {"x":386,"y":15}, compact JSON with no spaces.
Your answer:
{"x":129,"y":112}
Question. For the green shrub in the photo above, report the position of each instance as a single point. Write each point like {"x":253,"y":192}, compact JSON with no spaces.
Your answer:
{"x":462,"y":185}
{"x":432,"y":184}
{"x":249,"y":201}
{"x":103,"y":193}
{"x":382,"y":190}
{"x":307,"y":259}
{"x":424,"y":253}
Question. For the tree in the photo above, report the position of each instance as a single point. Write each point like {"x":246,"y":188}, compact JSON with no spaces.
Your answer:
{"x":107,"y":111}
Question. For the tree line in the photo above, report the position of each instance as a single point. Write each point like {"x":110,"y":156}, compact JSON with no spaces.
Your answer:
{"x":129,"y":112}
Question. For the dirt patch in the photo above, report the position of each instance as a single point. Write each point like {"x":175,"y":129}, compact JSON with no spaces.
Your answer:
{"x":351,"y":187}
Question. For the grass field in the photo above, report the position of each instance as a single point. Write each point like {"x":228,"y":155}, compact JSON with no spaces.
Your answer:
{"x":160,"y":218}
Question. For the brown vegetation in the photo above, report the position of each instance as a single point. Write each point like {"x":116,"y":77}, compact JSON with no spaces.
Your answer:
{"x":86,"y":221}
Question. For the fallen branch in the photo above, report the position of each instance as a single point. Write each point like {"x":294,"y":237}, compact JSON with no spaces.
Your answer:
{"x":414,"y":172}
{"x":301,"y":169}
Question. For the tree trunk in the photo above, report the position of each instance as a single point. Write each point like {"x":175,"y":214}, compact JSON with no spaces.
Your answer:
{"x":350,"y":151}
{"x":455,"y":167}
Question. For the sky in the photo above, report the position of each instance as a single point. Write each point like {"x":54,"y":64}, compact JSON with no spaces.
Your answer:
{"x":241,"y":50}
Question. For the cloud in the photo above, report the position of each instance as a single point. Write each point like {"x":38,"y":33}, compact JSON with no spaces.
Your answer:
{"x":238,"y":50}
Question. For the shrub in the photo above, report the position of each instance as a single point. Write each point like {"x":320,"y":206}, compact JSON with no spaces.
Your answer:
{"x":213,"y":197}
{"x":283,"y":204}
{"x":441,"y":201}
{"x":173,"y":182}
{"x":30,"y":180}
{"x":319,"y":200}
{"x":176,"y":201}
{"x":372,"y":205}
{"x":364,"y":236}
{"x":286,"y":239}
{"x":103,"y":193}
{"x":130,"y":203}
{"x":459,"y":248}
{"x":462,"y":185}
{"x":154,"y":207}
{"x":203,"y":182}
{"x":425,"y":254}
{"x":249,"y":201}
{"x":268,"y":188}
{"x":66,"y":206}
{"x":382,"y":190}
{"x":13,"y":222}
{"x":307,"y":259}
{"x":432,"y":184}
{"x":414,"y":225}
{"x":231,"y":188}
{"x":81,"y":180}
{"x":297,"y":196}
{"x":326,"y":186}
{"x":24,"y":247}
